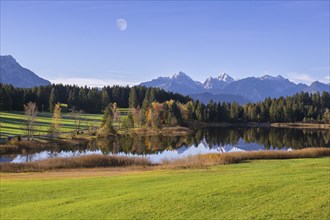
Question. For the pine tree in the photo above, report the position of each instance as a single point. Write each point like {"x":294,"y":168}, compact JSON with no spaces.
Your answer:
{"x":108,"y":128}
{"x":5,"y":99}
{"x":133,"y":98}
{"x":234,"y":111}
{"x":146,"y":102}
{"x":71,"y":98}
{"x":105,"y":97}
{"x":82,"y":98}
{"x":53,"y":99}
{"x":325,"y":100}
{"x":93,"y":101}
{"x":177,"y":113}
{"x":129,"y":120}
{"x":142,"y":117}
{"x":107,"y":113}
{"x":200,"y":112}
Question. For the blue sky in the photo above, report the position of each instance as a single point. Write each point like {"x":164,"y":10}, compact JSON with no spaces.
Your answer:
{"x":79,"y":41}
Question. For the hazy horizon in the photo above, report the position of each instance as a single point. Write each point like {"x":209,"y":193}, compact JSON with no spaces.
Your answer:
{"x":126,"y":43}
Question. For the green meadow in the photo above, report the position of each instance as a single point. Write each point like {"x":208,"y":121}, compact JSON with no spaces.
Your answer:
{"x":13,"y":123}
{"x":272,"y":189}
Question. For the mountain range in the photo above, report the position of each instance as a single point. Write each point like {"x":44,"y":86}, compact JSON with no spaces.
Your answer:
{"x":225,"y":88}
{"x":11,"y":72}
{"x":222,"y":88}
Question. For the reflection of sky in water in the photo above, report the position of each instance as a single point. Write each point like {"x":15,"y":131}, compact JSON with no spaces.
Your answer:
{"x":47,"y":154}
{"x":181,"y":152}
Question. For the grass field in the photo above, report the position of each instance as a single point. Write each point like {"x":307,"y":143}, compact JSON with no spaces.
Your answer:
{"x":13,"y":123}
{"x":272,"y":189}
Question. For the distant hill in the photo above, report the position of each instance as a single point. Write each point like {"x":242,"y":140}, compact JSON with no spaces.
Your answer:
{"x":224,"y":87}
{"x":257,"y":89}
{"x":317,"y":87}
{"x":13,"y":73}
{"x":205,"y":97}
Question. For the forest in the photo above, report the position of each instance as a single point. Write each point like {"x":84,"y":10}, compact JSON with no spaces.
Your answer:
{"x":91,"y":100}
{"x":155,"y":107}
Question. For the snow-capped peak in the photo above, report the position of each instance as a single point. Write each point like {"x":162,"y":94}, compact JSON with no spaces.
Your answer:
{"x":226,"y":78}
{"x":209,"y":79}
{"x":279,"y":77}
{"x":266,"y":77}
{"x":209,"y":82}
{"x":180,"y":75}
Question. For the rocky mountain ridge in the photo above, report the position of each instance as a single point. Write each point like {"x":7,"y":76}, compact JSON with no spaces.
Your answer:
{"x":226,"y":88}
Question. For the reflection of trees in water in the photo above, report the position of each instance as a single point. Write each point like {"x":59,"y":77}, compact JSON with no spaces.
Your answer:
{"x":137,"y":144}
{"x":142,"y":144}
{"x":268,"y":137}
{"x":54,"y":148}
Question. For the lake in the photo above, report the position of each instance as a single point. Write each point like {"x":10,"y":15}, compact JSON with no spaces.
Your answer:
{"x":202,"y":141}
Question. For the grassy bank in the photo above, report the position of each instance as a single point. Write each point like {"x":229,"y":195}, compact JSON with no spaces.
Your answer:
{"x":273,"y":189}
{"x":198,"y":161}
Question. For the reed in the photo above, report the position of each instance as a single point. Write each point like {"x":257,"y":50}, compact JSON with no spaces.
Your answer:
{"x":201,"y":161}
{"x":89,"y":161}
{"x":191,"y":162}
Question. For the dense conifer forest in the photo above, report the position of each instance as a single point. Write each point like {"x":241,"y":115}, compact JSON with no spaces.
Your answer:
{"x":90,"y":100}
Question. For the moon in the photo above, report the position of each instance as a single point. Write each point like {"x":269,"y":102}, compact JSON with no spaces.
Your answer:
{"x":121,"y":24}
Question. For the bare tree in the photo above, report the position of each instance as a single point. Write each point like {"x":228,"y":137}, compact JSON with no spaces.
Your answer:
{"x":55,"y":126}
{"x":31,"y":111}
{"x":77,"y":119}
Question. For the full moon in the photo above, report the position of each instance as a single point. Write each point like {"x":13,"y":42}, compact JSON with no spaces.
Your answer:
{"x":121,"y":24}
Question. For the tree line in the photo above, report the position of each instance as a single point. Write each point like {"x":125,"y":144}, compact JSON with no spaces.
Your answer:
{"x":90,"y":100}
{"x":154,"y":107}
{"x":302,"y":107}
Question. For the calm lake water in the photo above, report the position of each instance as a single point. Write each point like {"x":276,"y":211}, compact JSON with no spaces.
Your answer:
{"x":207,"y":140}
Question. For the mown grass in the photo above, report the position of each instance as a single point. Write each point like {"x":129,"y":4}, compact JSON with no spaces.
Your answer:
{"x":13,"y":123}
{"x":273,"y":189}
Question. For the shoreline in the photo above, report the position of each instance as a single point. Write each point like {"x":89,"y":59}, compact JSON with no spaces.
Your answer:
{"x":165,"y":131}
{"x":301,"y":125}
{"x":261,"y":124}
